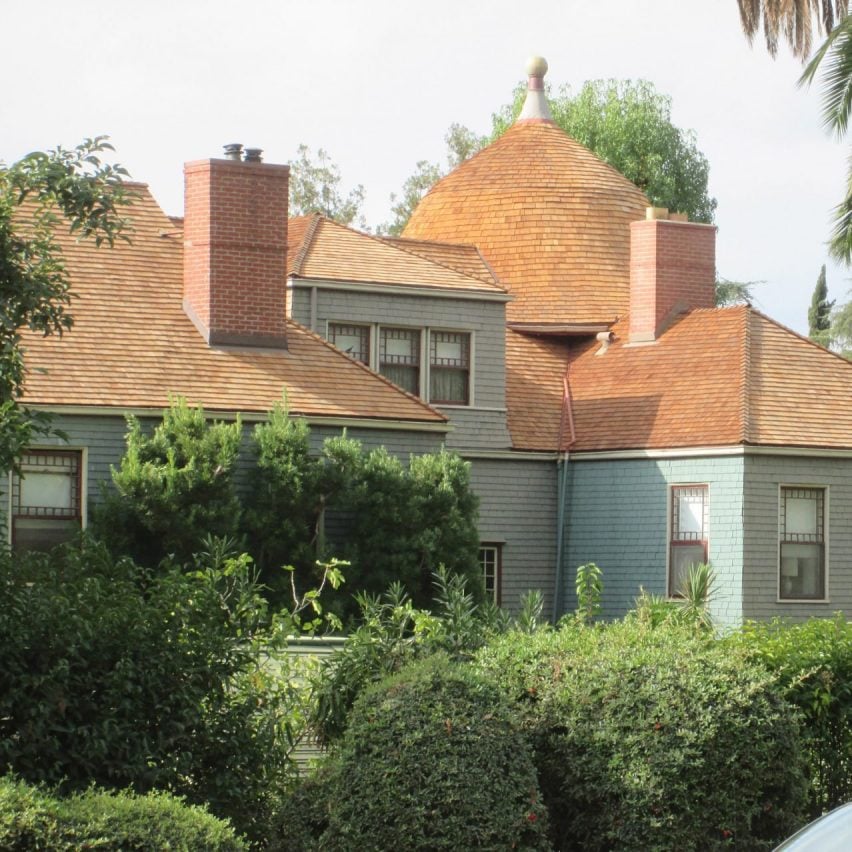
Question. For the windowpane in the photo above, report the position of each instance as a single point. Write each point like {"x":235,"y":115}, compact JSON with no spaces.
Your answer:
{"x":683,"y":557}
{"x":689,"y":525}
{"x":449,"y":367}
{"x":46,"y":499}
{"x":399,"y":357}
{"x":489,"y":562}
{"x":802,"y":545}
{"x":354,"y":340}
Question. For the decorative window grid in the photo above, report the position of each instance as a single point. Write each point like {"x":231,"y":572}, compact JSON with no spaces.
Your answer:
{"x":354,"y":340}
{"x":815,"y":494}
{"x":400,"y":346}
{"x":689,"y":494}
{"x":490,"y":565}
{"x":445,"y":340}
{"x":39,"y":462}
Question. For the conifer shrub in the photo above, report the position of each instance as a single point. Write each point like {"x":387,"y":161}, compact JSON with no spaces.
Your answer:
{"x":652,"y":738}
{"x":432,"y":760}
{"x":32,"y":818}
{"x":813,"y":664}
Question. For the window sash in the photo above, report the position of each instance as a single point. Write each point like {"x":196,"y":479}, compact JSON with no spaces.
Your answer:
{"x":801,"y":545}
{"x":354,"y":340}
{"x":399,"y":357}
{"x":689,"y":542}
{"x":491,"y":567}
{"x":449,"y":367}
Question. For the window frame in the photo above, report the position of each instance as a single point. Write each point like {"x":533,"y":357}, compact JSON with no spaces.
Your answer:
{"x":81,"y":485}
{"x":367,"y":328}
{"x":496,"y":594}
{"x":671,"y":542}
{"x":431,"y":333}
{"x":801,"y":486}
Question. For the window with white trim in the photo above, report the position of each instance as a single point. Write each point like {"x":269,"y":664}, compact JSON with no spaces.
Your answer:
{"x":46,"y":498}
{"x":690,"y":516}
{"x":354,"y":340}
{"x":801,"y":550}
{"x":449,"y":367}
{"x":399,"y":357}
{"x":491,"y":565}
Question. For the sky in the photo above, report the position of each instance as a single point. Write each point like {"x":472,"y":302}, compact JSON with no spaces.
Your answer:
{"x":377,"y":83}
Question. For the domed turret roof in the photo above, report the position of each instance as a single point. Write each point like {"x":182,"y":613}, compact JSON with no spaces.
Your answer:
{"x":550,"y":217}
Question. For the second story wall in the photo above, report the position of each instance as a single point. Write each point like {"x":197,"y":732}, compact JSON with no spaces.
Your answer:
{"x":405,"y":337}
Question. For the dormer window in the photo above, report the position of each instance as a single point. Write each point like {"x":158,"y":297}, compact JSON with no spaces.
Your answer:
{"x":449,"y":367}
{"x":399,"y":357}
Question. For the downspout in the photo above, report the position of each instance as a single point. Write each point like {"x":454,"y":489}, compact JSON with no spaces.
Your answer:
{"x":566,"y":424}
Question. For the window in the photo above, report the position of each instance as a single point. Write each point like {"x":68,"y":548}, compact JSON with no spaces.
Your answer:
{"x":491,"y":563}
{"x":802,"y":544}
{"x":449,"y":367}
{"x":47,"y":499}
{"x":399,"y":357}
{"x":689,"y":528}
{"x":354,"y":340}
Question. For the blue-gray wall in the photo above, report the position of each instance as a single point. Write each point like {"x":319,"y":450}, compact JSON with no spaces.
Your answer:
{"x":764,"y":475}
{"x":617,"y":517}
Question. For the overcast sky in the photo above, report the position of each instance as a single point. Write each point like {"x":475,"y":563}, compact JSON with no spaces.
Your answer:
{"x":377,"y":83}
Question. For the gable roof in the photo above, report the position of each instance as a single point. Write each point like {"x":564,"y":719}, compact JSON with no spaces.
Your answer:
{"x":716,"y":377}
{"x":321,"y":249}
{"x":132,"y":344}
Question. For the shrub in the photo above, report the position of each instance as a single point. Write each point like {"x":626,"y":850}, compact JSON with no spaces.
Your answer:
{"x":652,"y":739}
{"x":172,"y":488}
{"x":431,"y":760}
{"x":302,"y":816}
{"x":31,"y":818}
{"x":112,"y":675}
{"x":813,"y":662}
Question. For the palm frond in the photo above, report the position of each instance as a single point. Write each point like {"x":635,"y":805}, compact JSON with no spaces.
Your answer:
{"x":795,"y":21}
{"x":834,"y":58}
{"x":840,"y":244}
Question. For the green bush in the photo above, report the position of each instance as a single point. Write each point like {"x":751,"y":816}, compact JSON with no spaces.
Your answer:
{"x":813,"y":662}
{"x":173,"y":487}
{"x":31,"y":818}
{"x":652,"y":738}
{"x":113,"y":675}
{"x":431,"y":760}
{"x":302,"y":817}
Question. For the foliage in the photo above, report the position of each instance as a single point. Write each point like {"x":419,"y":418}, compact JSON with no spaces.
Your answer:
{"x":695,"y":596}
{"x":288,"y":492}
{"x":734,"y":292}
{"x":589,"y":587}
{"x":841,"y":329}
{"x":302,"y":816}
{"x":819,"y":313}
{"x":32,"y":818}
{"x":813,"y":662}
{"x":38,"y":193}
{"x":794,"y":22}
{"x":432,"y":760}
{"x":115,"y":675}
{"x":405,"y":522}
{"x":315,"y":188}
{"x":393,"y":633}
{"x":172,"y":488}
{"x":646,"y":734}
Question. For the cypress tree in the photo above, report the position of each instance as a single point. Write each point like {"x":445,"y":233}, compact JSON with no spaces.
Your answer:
{"x":819,"y":313}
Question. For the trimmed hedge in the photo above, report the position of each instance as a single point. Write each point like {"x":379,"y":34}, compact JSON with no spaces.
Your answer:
{"x":813,"y":663}
{"x":31,"y":818}
{"x":653,"y":739}
{"x":431,"y":760}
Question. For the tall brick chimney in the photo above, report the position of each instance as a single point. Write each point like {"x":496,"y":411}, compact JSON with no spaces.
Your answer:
{"x":235,"y":249}
{"x":672,"y":270}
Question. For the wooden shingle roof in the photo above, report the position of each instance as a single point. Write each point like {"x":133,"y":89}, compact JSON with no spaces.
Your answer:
{"x":132,"y":344}
{"x":550,"y":218}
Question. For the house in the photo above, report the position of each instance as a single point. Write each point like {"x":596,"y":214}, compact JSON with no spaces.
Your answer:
{"x":537,"y":316}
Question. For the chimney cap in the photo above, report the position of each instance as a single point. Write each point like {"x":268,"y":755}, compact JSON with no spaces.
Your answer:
{"x":234,"y":150}
{"x":254,"y":155}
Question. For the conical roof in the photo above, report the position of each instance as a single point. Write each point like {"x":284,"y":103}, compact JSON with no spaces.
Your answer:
{"x":550,"y":217}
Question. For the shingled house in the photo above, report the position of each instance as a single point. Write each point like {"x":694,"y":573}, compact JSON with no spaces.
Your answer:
{"x":536,"y":316}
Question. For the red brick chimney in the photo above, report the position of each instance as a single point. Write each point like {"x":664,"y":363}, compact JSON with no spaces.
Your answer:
{"x":672,"y":270}
{"x":235,"y":249}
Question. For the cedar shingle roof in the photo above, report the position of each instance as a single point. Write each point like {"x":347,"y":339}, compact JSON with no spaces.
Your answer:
{"x":716,"y":377}
{"x":323,"y":249}
{"x":549,"y":217}
{"x":132,"y":344}
{"x":463,"y":258}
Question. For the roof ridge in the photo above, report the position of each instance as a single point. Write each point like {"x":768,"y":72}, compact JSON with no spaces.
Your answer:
{"x":363,"y":366}
{"x":497,"y":282}
{"x":745,"y":375}
{"x":307,"y":242}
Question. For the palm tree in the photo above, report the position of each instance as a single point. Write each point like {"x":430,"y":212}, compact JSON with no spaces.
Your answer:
{"x":792,"y":20}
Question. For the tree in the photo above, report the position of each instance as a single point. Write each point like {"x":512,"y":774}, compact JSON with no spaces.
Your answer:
{"x":793,"y":21}
{"x":315,"y":188}
{"x":37,"y":194}
{"x":734,"y":292}
{"x":819,"y":313}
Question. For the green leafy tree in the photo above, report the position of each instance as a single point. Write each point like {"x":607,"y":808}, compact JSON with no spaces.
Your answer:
{"x":39,"y":194}
{"x":819,"y":313}
{"x":734,"y":292}
{"x":173,"y":487}
{"x":315,"y":188}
